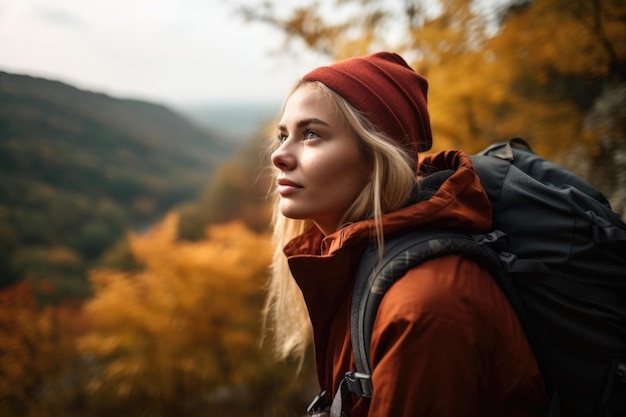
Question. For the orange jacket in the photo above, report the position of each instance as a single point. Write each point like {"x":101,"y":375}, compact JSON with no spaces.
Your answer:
{"x":445,"y":341}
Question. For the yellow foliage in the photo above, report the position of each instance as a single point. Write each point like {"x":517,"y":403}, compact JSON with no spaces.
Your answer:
{"x":581,"y":39}
{"x":190,"y":317}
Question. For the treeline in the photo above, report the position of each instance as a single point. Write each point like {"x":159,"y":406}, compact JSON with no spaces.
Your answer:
{"x":79,"y":169}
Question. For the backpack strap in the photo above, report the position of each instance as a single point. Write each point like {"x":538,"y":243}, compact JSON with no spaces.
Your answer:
{"x":376,"y":275}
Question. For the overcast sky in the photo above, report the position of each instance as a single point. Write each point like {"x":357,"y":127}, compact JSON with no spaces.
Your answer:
{"x":170,"y":51}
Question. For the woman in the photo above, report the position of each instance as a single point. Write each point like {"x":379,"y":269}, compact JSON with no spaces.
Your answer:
{"x":445,"y":341}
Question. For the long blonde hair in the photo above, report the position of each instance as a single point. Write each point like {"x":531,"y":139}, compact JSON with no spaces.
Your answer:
{"x":393,"y":176}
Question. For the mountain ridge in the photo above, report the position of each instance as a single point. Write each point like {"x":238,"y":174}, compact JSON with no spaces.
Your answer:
{"x":79,"y":168}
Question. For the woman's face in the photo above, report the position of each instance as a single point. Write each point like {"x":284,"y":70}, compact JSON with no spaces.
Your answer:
{"x":322,"y":169}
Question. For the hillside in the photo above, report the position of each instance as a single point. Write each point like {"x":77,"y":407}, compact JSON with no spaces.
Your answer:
{"x":78,"y":169}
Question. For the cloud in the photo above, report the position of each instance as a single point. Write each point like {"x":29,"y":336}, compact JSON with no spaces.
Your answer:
{"x":162,"y":50}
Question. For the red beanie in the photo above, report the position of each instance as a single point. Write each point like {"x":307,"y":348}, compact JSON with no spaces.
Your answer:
{"x":387,"y":91}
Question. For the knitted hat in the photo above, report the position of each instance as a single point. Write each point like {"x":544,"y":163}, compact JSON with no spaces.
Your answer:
{"x":387,"y":91}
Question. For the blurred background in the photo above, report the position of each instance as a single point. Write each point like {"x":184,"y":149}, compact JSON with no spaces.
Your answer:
{"x":133,"y":223}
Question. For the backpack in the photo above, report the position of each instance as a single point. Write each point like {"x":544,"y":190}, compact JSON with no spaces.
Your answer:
{"x":557,"y":251}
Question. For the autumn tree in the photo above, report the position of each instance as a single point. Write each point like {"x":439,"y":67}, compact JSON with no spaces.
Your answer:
{"x":181,"y":336}
{"x":565,"y":58}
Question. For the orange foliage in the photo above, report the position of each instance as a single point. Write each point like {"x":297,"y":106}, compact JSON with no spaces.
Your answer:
{"x":26,"y":349}
{"x":178,"y":337}
{"x":189,"y":319}
{"x":489,"y":88}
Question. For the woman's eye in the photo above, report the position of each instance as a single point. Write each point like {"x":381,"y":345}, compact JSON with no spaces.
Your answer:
{"x":281,"y":137}
{"x":309,"y":134}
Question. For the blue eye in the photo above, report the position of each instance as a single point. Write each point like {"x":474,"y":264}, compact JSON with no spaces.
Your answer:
{"x":309,"y":134}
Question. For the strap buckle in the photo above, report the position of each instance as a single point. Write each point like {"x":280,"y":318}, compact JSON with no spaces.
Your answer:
{"x":319,"y":405}
{"x":359,"y":384}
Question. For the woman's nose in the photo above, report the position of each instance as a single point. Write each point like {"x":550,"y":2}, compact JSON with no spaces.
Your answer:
{"x":282,"y":158}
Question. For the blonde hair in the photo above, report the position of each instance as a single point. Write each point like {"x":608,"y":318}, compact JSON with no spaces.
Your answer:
{"x":393,"y":177}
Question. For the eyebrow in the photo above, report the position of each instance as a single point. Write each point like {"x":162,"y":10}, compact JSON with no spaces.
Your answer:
{"x":304,"y":123}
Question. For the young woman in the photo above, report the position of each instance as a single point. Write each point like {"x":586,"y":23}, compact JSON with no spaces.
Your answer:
{"x":445,"y":341}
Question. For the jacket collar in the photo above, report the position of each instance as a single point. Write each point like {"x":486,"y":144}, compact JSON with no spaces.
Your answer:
{"x":450,"y":195}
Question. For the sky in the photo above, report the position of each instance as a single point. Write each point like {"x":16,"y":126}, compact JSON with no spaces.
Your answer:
{"x":167,"y":51}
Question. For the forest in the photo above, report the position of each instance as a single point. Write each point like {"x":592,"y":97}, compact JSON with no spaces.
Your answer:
{"x":79,"y":169}
{"x":133,"y":286}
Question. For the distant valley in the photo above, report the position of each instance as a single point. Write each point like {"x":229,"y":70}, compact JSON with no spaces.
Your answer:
{"x":78,"y":169}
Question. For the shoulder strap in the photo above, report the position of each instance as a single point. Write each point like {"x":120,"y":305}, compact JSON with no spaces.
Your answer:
{"x":375,"y":276}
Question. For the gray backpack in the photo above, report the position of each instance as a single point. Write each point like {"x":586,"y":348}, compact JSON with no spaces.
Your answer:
{"x":557,"y":251}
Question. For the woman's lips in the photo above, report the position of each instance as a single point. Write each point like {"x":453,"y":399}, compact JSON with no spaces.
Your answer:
{"x":286,"y":187}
